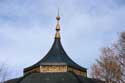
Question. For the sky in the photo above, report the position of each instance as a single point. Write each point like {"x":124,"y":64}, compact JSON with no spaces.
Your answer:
{"x":27,"y":29}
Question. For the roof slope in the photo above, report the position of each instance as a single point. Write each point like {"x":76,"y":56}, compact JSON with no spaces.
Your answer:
{"x":12,"y":80}
{"x":62,"y":77}
{"x":56,"y":56}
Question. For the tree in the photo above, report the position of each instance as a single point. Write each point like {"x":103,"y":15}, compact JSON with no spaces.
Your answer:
{"x":3,"y":73}
{"x":96,"y":71}
{"x":119,"y":48}
{"x":107,"y":68}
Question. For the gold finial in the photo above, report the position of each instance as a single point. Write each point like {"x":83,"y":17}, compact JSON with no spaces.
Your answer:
{"x":58,"y":17}
{"x":57,"y":26}
{"x":57,"y":35}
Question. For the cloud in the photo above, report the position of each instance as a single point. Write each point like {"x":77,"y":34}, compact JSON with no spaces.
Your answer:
{"x":27,"y":29}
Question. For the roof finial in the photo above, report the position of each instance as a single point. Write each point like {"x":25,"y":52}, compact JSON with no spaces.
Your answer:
{"x":57,"y":26}
{"x":58,"y":17}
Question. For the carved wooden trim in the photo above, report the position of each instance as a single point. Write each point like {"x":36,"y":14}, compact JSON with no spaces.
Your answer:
{"x":58,"y":68}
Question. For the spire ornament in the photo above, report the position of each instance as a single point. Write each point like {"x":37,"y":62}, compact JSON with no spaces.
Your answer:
{"x":57,"y":35}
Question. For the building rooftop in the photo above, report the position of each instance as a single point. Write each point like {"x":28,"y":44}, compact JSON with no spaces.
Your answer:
{"x":55,"y":67}
{"x":62,"y":77}
{"x":56,"y":56}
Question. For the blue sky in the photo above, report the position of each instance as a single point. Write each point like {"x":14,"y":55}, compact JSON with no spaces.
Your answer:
{"x":27,"y":29}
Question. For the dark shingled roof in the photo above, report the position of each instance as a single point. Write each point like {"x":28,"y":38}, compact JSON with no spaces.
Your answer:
{"x":64,"y":77}
{"x":12,"y":80}
{"x":56,"y":56}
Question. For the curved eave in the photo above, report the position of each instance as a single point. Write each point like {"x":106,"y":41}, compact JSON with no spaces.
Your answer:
{"x":56,"y":56}
{"x":53,"y":64}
